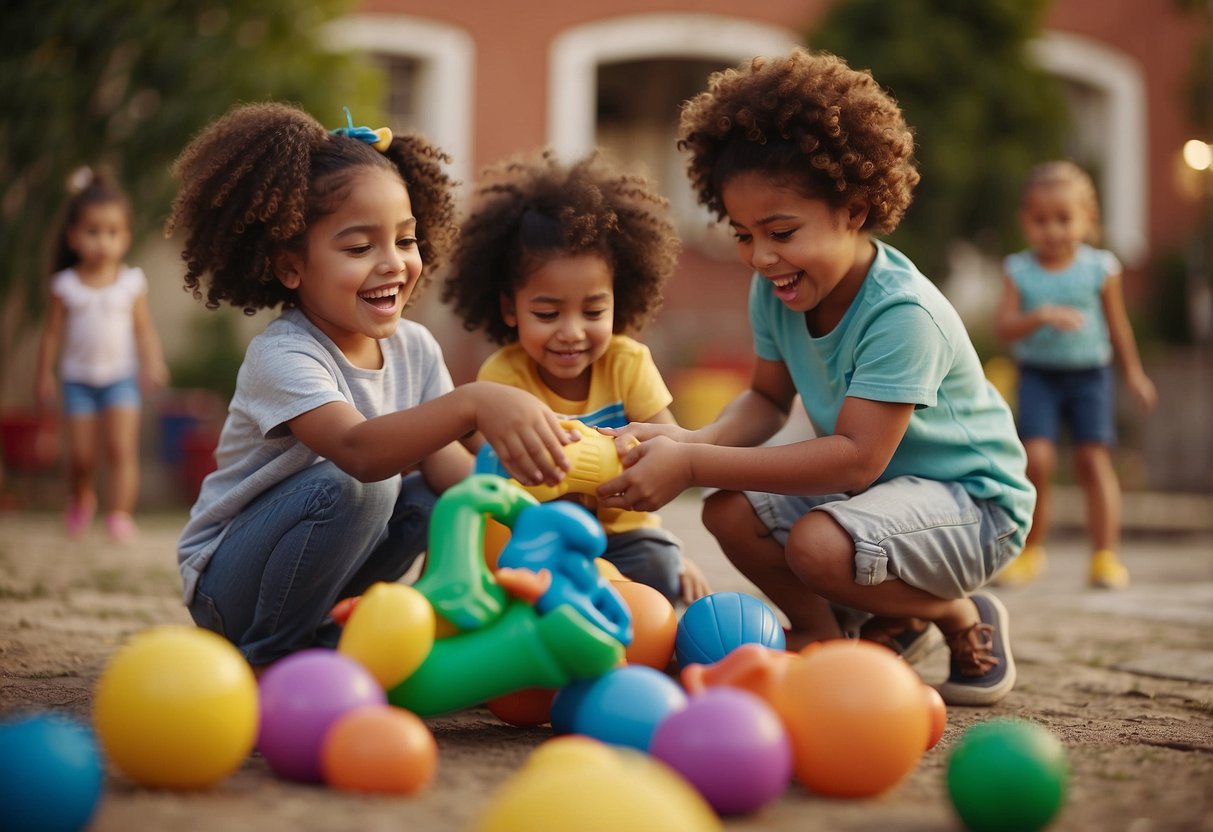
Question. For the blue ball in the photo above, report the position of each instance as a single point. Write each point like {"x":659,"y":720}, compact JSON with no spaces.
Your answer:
{"x":50,"y":774}
{"x":719,"y":623}
{"x":625,"y":706}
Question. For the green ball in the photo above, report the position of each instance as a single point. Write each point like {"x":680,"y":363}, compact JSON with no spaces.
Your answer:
{"x":1007,"y":775}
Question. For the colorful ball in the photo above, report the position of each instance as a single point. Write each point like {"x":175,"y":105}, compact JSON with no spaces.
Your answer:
{"x":731,"y":746}
{"x":716,"y":624}
{"x":623,"y":790}
{"x":379,"y":749}
{"x":937,"y":709}
{"x":390,"y":632}
{"x":625,"y":706}
{"x":654,"y":624}
{"x":1007,"y":775}
{"x":51,"y":775}
{"x":566,"y":703}
{"x":856,"y":716}
{"x":177,"y":708}
{"x":301,"y":697}
{"x":524,"y":708}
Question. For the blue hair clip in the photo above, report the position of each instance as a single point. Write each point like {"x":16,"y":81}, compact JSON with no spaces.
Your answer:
{"x":379,"y":139}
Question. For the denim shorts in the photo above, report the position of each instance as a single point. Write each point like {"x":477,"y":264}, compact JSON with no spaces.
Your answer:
{"x":81,"y":399}
{"x":1083,"y":401}
{"x":930,"y":534}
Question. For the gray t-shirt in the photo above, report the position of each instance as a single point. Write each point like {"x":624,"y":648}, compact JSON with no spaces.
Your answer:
{"x":289,"y":369}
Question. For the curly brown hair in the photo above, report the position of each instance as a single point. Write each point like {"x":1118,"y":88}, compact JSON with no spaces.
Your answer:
{"x":808,"y":121}
{"x":254,"y":181}
{"x":529,"y":210}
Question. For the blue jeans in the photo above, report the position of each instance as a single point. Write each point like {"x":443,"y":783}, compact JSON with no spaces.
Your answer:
{"x":649,"y":556}
{"x":300,"y":547}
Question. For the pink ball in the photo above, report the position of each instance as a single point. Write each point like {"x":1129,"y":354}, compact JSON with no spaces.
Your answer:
{"x":301,"y":696}
{"x":731,"y":746}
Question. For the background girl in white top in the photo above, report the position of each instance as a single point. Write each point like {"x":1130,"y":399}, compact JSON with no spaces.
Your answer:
{"x":100,"y":332}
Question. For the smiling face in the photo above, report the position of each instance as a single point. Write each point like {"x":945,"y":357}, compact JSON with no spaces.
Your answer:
{"x":359,"y":265}
{"x":565,"y":315}
{"x":1056,"y":218}
{"x":805,"y":247}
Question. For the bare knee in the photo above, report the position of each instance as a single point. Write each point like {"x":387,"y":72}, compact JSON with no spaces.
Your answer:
{"x":729,"y":514}
{"x":820,"y":552}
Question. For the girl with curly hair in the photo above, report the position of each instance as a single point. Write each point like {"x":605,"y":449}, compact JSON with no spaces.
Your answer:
{"x":913,"y":493}
{"x":344,"y":425}
{"x":556,"y":263}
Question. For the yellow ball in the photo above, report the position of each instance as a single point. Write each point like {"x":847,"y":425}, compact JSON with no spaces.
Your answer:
{"x":390,"y":632}
{"x":593,"y":792}
{"x":177,"y":708}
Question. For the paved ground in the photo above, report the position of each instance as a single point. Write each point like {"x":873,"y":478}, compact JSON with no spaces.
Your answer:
{"x":1124,"y":679}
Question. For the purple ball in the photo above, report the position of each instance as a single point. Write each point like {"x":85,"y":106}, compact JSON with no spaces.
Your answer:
{"x":731,"y":746}
{"x":301,"y":696}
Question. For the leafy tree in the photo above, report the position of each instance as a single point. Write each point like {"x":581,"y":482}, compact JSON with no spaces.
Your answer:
{"x":982,"y":112}
{"x":126,"y":84}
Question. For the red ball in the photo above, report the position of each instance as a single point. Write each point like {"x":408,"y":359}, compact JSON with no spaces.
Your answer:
{"x":525,"y":708}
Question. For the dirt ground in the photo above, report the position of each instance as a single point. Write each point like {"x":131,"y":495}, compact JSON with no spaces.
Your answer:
{"x":1125,"y":680}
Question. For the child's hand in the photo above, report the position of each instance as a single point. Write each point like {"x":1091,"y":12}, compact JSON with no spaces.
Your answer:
{"x":627,"y":436}
{"x":1143,"y":390}
{"x":525,"y":433}
{"x":694,"y":583}
{"x":154,"y":376}
{"x":655,"y":472}
{"x":45,"y":393}
{"x":1064,"y":318}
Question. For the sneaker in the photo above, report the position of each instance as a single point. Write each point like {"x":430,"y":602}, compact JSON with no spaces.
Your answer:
{"x":1024,"y":569}
{"x":911,"y":638}
{"x":982,"y":669}
{"x":121,"y":527}
{"x":79,"y":516}
{"x":1107,"y":572}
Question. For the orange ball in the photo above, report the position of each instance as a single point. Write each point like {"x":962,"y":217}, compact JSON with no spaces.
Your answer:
{"x":857,"y":718}
{"x":379,"y":749}
{"x":654,"y":625}
{"x":525,"y":708}
{"x":938,"y":711}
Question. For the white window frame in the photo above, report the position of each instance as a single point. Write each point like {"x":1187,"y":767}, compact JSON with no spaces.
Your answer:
{"x":576,"y":53}
{"x":1124,"y":185}
{"x":444,"y":81}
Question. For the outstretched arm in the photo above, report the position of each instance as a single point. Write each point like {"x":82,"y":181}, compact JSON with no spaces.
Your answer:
{"x":527,"y":434}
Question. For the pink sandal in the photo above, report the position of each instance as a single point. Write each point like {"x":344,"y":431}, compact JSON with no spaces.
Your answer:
{"x":121,"y":527}
{"x":79,"y":517}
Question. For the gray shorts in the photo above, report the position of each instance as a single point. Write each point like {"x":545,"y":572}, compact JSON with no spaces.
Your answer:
{"x":930,"y":534}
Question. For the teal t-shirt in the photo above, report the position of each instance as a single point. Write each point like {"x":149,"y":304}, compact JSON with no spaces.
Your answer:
{"x":1079,"y":285}
{"x":901,"y":341}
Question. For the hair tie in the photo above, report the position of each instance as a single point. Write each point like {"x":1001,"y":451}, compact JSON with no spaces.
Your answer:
{"x":79,"y":179}
{"x":379,"y":139}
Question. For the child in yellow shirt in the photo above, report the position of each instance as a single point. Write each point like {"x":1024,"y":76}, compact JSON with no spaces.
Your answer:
{"x":556,"y":262}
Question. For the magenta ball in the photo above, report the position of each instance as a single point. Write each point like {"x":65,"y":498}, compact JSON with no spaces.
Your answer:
{"x":301,"y":696}
{"x":625,"y":706}
{"x":731,"y":746}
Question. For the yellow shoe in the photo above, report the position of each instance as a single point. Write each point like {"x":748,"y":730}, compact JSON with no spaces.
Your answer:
{"x":1107,"y":572}
{"x":1024,"y":569}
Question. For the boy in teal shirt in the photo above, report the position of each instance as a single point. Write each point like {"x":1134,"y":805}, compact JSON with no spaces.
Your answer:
{"x":914,"y":494}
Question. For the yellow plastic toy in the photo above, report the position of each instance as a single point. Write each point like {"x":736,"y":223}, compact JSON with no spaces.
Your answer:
{"x":592,"y":461}
{"x":389,"y":631}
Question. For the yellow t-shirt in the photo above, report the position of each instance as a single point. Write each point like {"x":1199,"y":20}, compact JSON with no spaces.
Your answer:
{"x":625,"y":386}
